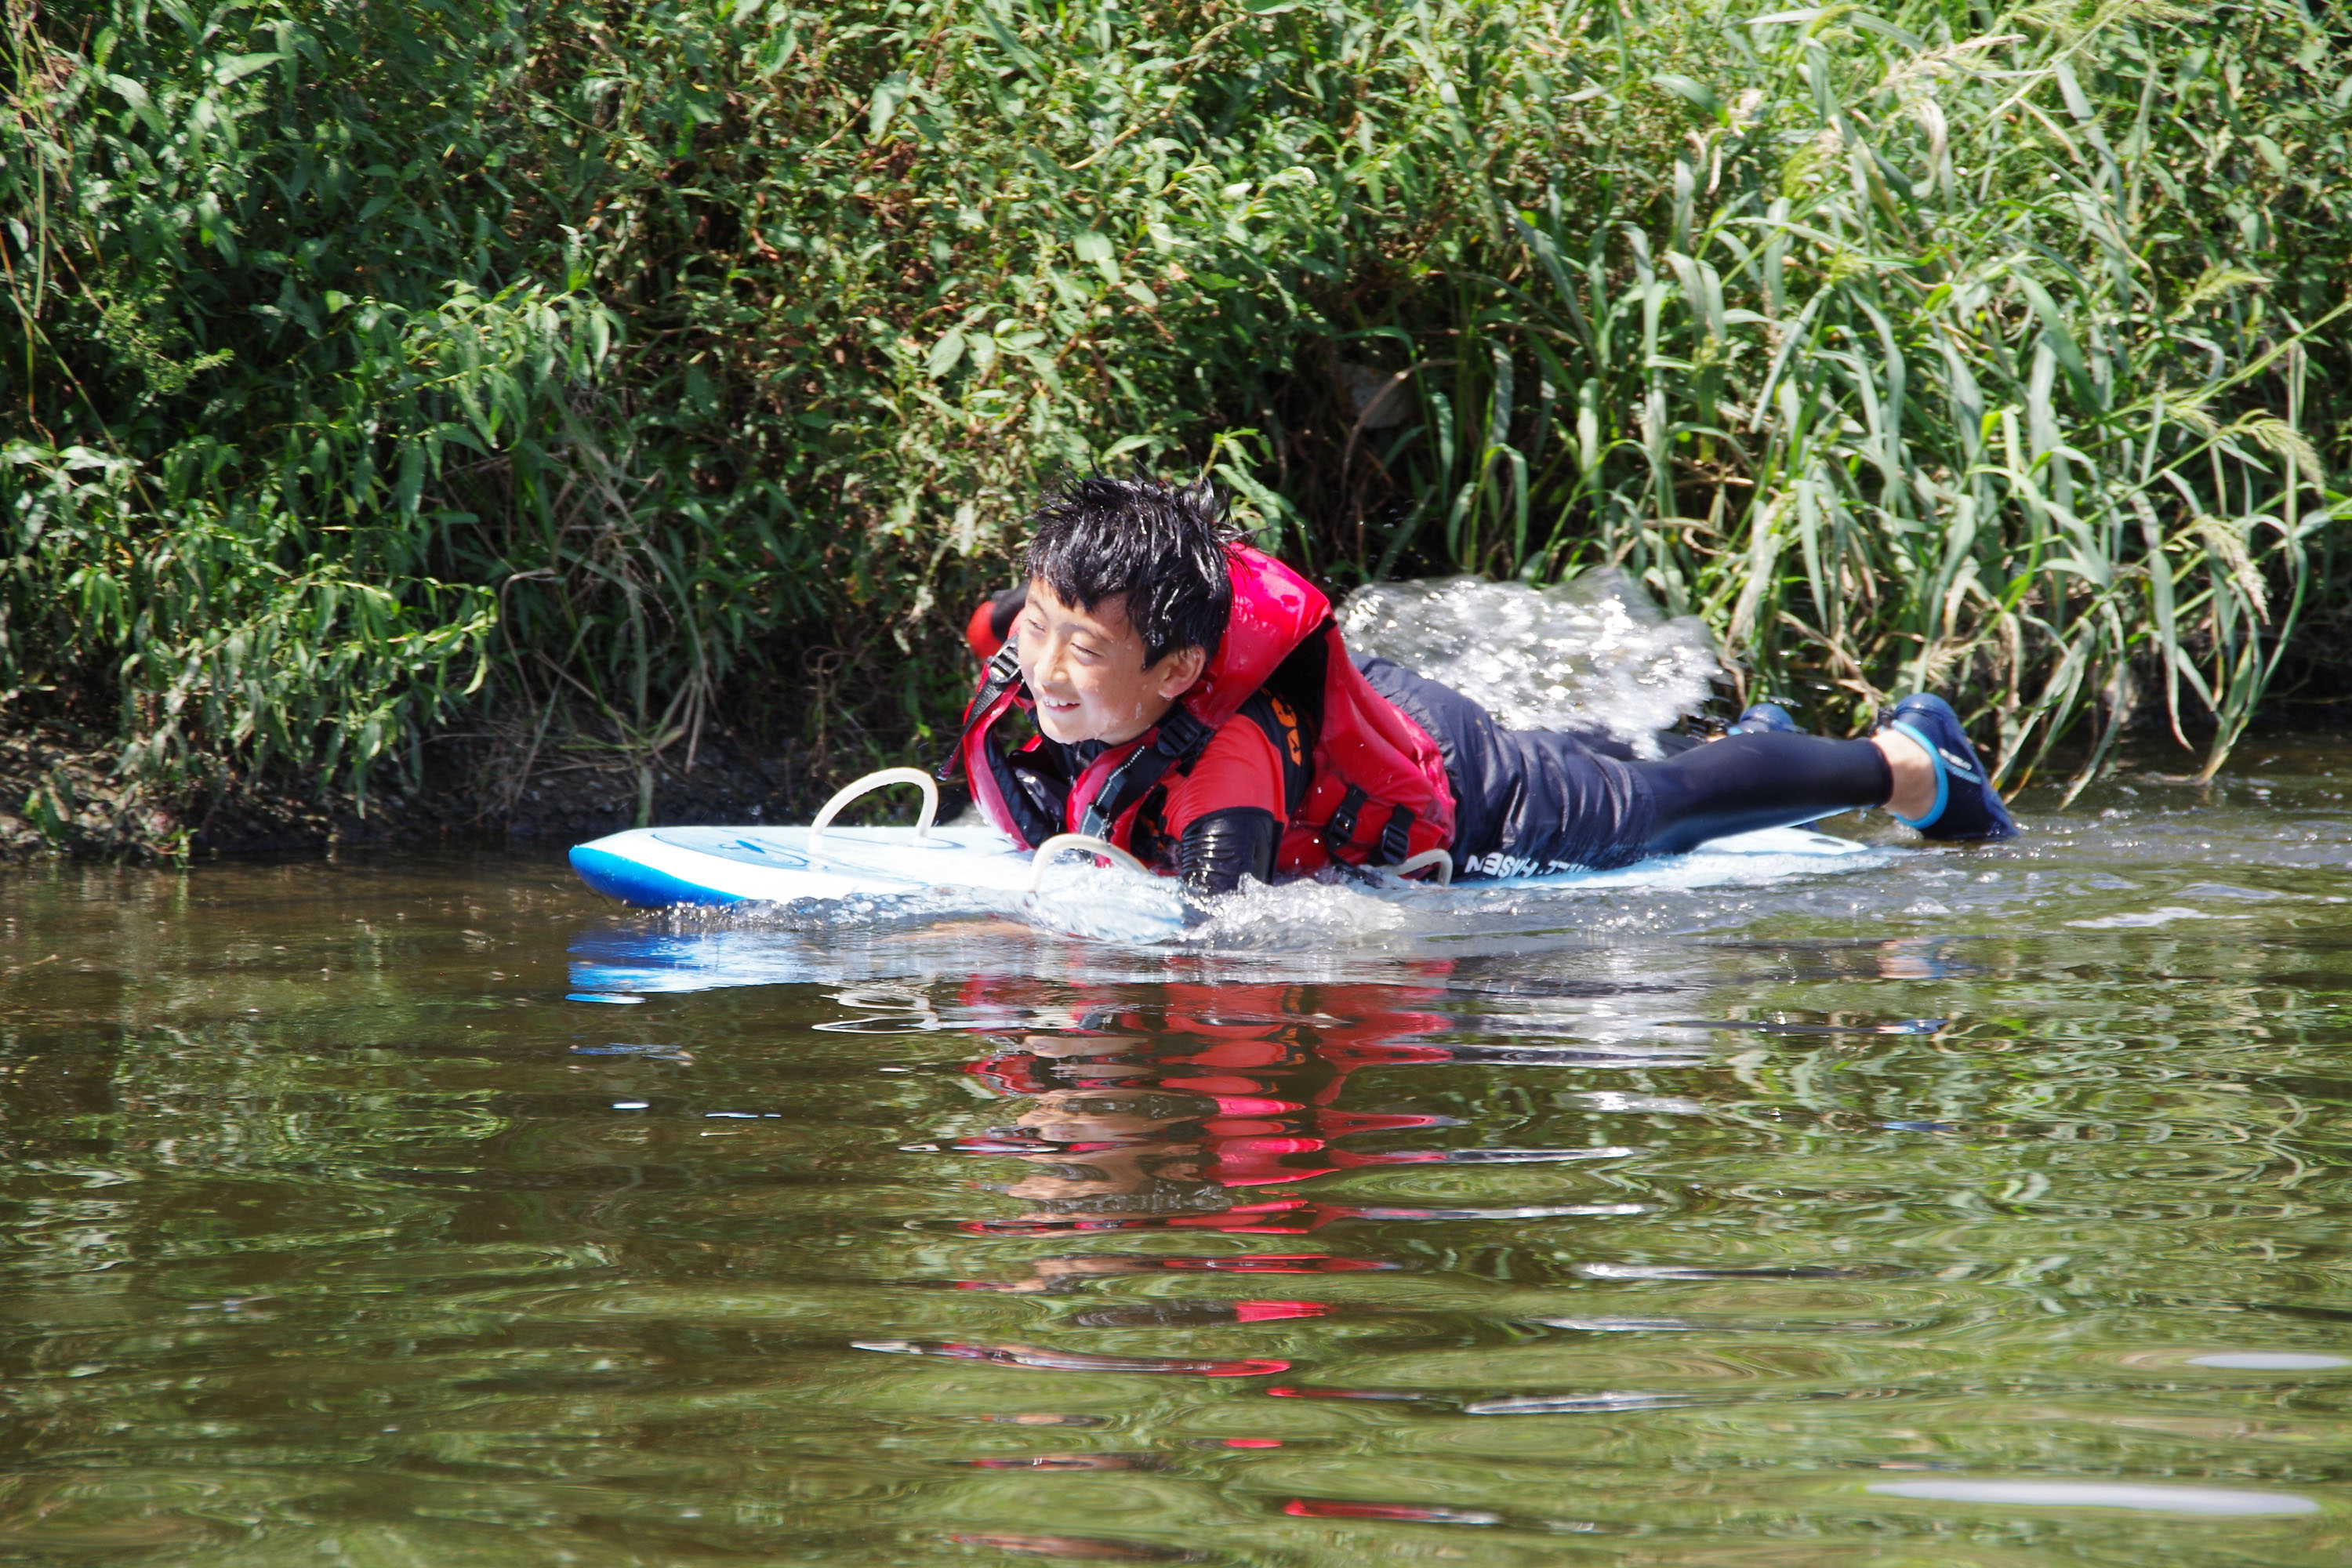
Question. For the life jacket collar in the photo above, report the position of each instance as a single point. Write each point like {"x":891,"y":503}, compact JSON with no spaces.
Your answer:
{"x":1275,"y":610}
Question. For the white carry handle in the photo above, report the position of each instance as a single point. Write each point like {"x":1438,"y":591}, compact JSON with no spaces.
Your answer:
{"x":1063,"y":843}
{"x":874,"y":781}
{"x":1439,"y":859}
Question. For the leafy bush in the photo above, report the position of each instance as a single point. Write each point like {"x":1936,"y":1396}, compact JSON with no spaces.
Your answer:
{"x":257,"y":331}
{"x":598,"y":374}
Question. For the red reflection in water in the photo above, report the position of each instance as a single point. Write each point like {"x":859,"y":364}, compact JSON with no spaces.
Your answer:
{"x":1194,"y":1113}
{"x":1325,"y":1508}
{"x":1161,"y":1116}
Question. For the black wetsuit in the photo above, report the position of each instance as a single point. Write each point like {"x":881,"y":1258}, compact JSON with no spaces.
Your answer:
{"x":1532,"y":802}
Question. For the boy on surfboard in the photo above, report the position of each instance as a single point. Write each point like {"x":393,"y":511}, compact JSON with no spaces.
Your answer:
{"x":1190,"y":702}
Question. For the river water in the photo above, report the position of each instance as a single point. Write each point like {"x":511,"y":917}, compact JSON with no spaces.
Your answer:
{"x":1978,"y":1206}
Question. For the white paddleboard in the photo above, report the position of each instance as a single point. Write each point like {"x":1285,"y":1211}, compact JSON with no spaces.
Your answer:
{"x":655,"y":868}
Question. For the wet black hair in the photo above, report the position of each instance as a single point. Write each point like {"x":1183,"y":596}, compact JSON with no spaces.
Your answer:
{"x":1160,"y":546}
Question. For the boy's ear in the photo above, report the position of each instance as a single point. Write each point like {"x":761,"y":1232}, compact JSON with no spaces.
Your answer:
{"x":1177,"y":670}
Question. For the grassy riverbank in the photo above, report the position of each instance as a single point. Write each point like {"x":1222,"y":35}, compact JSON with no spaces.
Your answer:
{"x":576,"y":390}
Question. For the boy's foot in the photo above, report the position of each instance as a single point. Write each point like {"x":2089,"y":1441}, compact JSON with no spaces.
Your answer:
{"x":1763,"y":719}
{"x":1966,"y":805}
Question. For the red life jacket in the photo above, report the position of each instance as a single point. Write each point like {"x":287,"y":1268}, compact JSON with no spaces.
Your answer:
{"x":1376,"y":792}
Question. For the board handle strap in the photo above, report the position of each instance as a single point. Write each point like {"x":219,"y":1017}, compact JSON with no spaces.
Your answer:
{"x":1439,"y":859}
{"x":874,"y":781}
{"x":1066,"y":843}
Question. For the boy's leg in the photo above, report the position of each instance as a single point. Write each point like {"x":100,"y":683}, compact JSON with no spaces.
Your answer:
{"x":1532,"y":802}
{"x":1743,"y":782}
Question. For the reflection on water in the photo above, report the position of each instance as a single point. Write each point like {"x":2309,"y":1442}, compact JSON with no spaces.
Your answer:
{"x":2080,"y":1494}
{"x":1952,"y":1207}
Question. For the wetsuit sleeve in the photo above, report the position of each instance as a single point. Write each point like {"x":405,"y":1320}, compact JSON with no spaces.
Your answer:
{"x":1226,"y":814}
{"x":1221,"y":849}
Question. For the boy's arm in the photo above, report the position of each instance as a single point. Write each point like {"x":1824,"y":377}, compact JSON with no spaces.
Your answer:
{"x":1216,"y":851}
{"x":1227,"y":814}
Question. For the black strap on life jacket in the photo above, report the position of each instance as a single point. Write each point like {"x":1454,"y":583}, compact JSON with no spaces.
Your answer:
{"x":1397,"y":836}
{"x":1180,"y":738}
{"x":1003,"y":673}
{"x":1340,"y":830}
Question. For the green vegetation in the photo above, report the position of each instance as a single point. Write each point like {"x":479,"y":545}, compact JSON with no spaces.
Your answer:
{"x":585,"y":375}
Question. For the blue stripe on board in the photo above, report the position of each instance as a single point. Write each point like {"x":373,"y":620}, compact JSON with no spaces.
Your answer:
{"x":633,"y":883}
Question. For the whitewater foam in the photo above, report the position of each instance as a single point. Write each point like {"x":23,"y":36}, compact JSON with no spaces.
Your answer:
{"x":1590,"y":654}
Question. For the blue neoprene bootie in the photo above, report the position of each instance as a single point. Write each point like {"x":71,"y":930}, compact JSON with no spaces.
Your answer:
{"x":1966,"y":805}
{"x":1763,"y":719}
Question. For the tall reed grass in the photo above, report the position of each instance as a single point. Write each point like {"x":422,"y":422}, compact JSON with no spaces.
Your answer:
{"x":587,"y":379}
{"x":1924,"y":361}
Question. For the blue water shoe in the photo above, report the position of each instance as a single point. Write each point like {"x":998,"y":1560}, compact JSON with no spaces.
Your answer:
{"x":1966,"y":805}
{"x":1763,"y":719}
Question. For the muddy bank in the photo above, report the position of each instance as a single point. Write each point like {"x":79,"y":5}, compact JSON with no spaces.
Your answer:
{"x":59,"y":796}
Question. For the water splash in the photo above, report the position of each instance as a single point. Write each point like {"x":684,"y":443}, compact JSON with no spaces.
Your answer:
{"x":1314,"y":915}
{"x":1590,"y":654}
{"x":1316,"y":928}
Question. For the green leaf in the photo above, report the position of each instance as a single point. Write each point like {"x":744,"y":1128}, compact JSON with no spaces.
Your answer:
{"x":236,"y":68}
{"x":1005,"y":40}
{"x":945,"y":353}
{"x":131,"y":93}
{"x":2061,"y":341}
{"x":1696,"y":93}
{"x":1095,"y":248}
{"x":888,"y":97}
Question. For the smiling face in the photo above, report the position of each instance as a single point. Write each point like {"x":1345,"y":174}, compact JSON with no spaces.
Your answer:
{"x":1085,"y":669}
